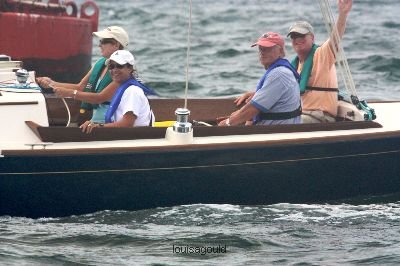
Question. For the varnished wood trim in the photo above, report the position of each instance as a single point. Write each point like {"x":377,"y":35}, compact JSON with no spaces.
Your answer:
{"x":34,"y":127}
{"x":67,"y":134}
{"x":19,"y":103}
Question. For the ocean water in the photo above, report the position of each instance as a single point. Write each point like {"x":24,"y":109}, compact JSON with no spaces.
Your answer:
{"x":222,"y":63}
{"x":281,"y":234}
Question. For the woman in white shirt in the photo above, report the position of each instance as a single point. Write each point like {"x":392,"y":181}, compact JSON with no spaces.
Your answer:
{"x":129,"y":106}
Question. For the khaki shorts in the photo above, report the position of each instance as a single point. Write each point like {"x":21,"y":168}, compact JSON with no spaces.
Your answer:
{"x":313,"y":117}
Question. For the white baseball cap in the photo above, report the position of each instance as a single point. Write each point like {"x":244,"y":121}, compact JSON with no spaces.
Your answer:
{"x":122,"y":57}
{"x":114,"y":32}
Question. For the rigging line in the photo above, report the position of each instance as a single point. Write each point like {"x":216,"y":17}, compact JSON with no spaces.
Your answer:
{"x":329,"y":24}
{"x":188,"y":53}
{"x":68,"y":111}
{"x":342,"y":62}
{"x":344,"y":67}
{"x":339,"y":52}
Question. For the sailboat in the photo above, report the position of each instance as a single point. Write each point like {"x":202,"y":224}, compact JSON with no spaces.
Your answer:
{"x":48,"y":170}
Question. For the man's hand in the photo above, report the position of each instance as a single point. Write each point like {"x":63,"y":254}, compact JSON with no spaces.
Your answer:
{"x":223,"y":123}
{"x":345,"y":6}
{"x":245,"y":98}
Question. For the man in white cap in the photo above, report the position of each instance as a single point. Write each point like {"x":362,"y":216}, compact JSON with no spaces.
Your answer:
{"x":316,"y":65}
{"x":129,"y":106}
{"x":96,"y":89}
{"x":277,"y":97}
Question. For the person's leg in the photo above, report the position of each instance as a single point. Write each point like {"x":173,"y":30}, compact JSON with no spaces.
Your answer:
{"x":310,"y":117}
{"x":328,"y":118}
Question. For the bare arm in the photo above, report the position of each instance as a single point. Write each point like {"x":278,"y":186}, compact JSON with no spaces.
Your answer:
{"x":344,"y":7}
{"x":246,"y":97}
{"x":244,"y":114}
{"x":127,"y":121}
{"x":90,"y":97}
{"x":47,"y":82}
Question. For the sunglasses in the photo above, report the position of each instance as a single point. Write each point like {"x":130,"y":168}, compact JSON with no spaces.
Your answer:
{"x":265,"y":50}
{"x":111,"y":66}
{"x":105,"y":41}
{"x":296,"y":35}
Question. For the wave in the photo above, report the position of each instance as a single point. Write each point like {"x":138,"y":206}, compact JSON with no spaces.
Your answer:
{"x":391,"y":25}
{"x":228,"y":53}
{"x":225,"y":214}
{"x":169,"y":88}
{"x":379,"y":63}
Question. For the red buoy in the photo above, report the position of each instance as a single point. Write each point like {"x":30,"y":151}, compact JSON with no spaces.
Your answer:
{"x":51,"y":38}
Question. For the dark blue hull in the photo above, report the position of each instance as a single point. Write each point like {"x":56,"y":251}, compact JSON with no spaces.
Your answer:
{"x":54,"y":184}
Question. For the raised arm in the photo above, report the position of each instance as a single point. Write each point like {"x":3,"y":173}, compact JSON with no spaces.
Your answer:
{"x":344,"y":7}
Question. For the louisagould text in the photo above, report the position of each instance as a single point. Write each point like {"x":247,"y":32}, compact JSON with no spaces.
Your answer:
{"x":202,"y":250}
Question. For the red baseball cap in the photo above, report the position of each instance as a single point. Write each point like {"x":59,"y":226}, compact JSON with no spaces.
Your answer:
{"x":270,"y":39}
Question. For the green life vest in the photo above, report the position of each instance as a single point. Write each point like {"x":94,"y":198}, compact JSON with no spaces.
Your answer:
{"x":93,"y":79}
{"x":307,"y":68}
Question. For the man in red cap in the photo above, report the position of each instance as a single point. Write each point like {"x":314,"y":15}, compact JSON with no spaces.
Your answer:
{"x":277,"y":96}
{"x":316,"y":64}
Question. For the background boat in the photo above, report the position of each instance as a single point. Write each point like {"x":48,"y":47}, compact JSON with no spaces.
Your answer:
{"x":53,"y":38}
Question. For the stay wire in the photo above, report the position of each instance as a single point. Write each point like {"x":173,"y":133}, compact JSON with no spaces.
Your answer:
{"x":188,"y":52}
{"x":342,"y":62}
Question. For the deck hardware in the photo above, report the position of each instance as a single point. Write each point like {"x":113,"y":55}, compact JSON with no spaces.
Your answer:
{"x":182,"y":124}
{"x":42,"y":144}
{"x":22,"y":76}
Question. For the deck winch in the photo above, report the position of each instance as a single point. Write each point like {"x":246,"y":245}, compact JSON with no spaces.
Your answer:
{"x":182,"y":124}
{"x":182,"y":131}
{"x":22,"y":77}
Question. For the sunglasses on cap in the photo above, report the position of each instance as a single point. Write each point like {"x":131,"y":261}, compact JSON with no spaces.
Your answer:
{"x":105,"y":41}
{"x":111,"y":66}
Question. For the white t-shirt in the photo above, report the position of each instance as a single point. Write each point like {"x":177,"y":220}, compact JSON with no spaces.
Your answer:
{"x":133,"y":100}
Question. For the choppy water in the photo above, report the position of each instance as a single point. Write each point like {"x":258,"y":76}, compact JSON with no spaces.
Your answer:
{"x":250,"y":235}
{"x":223,"y":64}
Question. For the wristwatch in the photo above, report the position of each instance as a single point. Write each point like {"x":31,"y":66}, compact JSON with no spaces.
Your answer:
{"x":74,"y":93}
